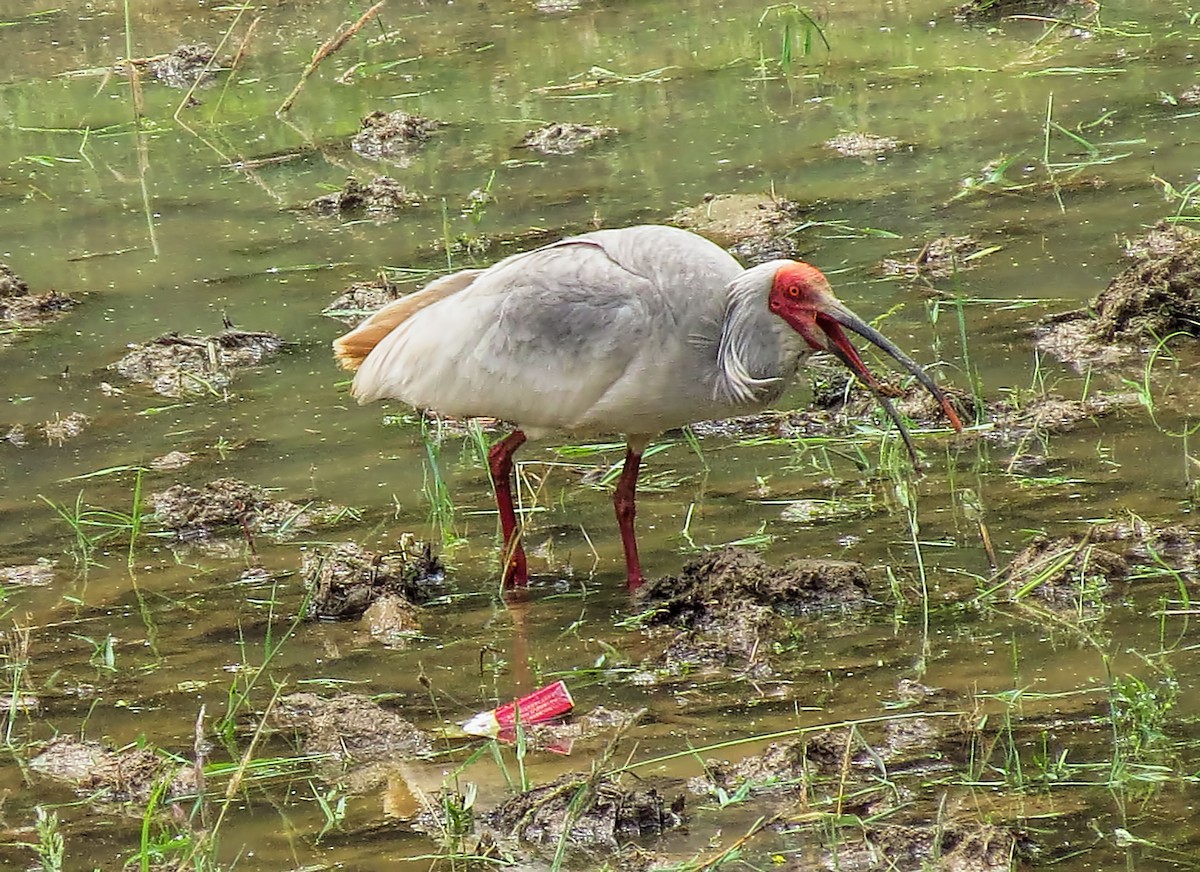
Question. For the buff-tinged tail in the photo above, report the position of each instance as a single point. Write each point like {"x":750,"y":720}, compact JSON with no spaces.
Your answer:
{"x":352,"y":348}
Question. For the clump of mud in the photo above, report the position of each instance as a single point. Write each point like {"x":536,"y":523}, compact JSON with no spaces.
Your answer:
{"x":1083,"y":569}
{"x":188,"y":366}
{"x":186,"y":66}
{"x":557,"y":7}
{"x":126,"y":775}
{"x":717,"y":586}
{"x":838,"y":394}
{"x":588,"y":812}
{"x":841,"y":404}
{"x":56,"y":431}
{"x":60,"y":429}
{"x":727,"y":604}
{"x":913,"y":745}
{"x":11,"y":284}
{"x":560,"y":736}
{"x":345,"y":580}
{"x":378,"y":198}
{"x":20,"y":308}
{"x":842,"y":393}
{"x":782,"y":766}
{"x":841,"y":760}
{"x":1155,"y":297}
{"x":348,"y":726}
{"x":37,"y":574}
{"x":393,"y":620}
{"x":226,"y":503}
{"x":393,"y":135}
{"x":948,"y":846}
{"x":361,"y":299}
{"x":992,"y":10}
{"x":841,"y":400}
{"x":171,"y":461}
{"x":754,"y":228}
{"x":939,"y":258}
{"x":1161,"y":240}
{"x":862,"y":144}
{"x":1014,"y":421}
{"x":565,"y":138}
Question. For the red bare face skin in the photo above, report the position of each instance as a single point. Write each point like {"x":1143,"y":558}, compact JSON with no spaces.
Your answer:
{"x":801,"y":296}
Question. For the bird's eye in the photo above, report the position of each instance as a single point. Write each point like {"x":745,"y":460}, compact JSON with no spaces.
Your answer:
{"x":793,"y":291}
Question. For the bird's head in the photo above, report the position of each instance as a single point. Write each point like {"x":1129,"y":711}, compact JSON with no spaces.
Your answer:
{"x":801,"y":296}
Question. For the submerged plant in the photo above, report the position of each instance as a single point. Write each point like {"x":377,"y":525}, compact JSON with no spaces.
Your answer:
{"x":797,"y":33}
{"x":1139,"y":713}
{"x":50,"y":848}
{"x":1056,"y":173}
{"x":95,"y":526}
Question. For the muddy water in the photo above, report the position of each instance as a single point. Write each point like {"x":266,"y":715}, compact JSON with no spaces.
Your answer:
{"x":181,"y":224}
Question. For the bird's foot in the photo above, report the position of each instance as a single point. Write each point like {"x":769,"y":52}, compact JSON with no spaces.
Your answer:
{"x":516,"y":571}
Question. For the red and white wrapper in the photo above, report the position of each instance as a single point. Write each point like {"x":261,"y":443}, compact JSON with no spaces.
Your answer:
{"x":544,"y":704}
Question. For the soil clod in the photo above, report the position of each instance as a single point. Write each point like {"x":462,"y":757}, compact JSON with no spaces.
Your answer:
{"x":782,"y":766}
{"x":185,"y":66}
{"x":1052,"y":414}
{"x":565,"y":138}
{"x":728,"y":603}
{"x":188,"y":366}
{"x":393,"y":620}
{"x":993,"y":10}
{"x":345,"y":580}
{"x":939,"y":258}
{"x":724,"y":583}
{"x":379,"y":198}
{"x":20,"y":308}
{"x":588,"y":812}
{"x":227,"y":503}
{"x":561,"y":736}
{"x":1155,"y":297}
{"x":862,"y":144}
{"x":37,"y":574}
{"x":1082,"y":569}
{"x":393,"y":135}
{"x":59,"y":429}
{"x":946,"y":847}
{"x":754,"y":228}
{"x":171,"y":461}
{"x":361,"y":299}
{"x":126,"y":775}
{"x":348,"y":726}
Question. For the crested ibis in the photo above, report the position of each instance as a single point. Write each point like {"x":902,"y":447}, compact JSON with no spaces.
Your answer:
{"x":633,"y":331}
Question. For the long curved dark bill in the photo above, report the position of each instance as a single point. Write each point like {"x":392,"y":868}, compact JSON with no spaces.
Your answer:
{"x":831,"y":321}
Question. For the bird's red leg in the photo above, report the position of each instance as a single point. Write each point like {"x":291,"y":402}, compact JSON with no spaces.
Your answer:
{"x":500,"y":461}
{"x":625,"y":502}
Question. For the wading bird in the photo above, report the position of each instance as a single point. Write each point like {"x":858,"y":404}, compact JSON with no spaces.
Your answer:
{"x":632,"y":331}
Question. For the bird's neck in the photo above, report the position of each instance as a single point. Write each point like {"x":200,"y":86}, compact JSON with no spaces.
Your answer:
{"x":757,"y":353}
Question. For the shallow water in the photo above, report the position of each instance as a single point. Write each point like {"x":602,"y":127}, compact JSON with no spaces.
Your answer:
{"x":172,"y":228}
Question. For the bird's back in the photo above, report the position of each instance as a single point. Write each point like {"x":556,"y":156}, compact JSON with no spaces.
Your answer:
{"x":611,"y":331}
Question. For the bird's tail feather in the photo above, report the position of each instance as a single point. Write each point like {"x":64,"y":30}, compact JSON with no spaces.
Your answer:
{"x":352,"y":348}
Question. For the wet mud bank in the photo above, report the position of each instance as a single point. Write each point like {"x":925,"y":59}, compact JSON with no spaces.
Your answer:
{"x":1153,"y":300}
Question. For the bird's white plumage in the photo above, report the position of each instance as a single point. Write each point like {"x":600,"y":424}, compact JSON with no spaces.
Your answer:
{"x":612,"y":331}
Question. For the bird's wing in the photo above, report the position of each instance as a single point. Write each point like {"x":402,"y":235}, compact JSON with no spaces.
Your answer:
{"x":538,"y":339}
